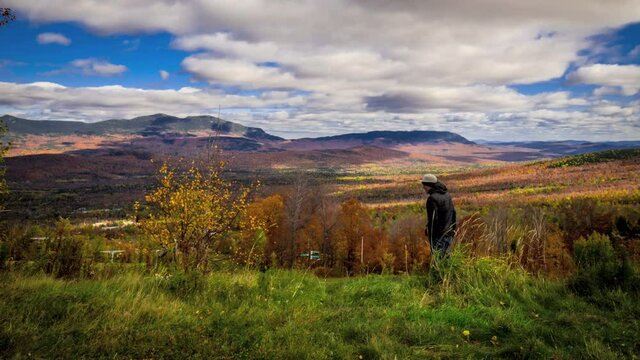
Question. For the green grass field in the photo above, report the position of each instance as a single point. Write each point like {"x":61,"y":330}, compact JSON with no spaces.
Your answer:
{"x":283,"y":314}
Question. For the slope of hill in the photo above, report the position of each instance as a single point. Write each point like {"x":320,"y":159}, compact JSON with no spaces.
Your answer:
{"x":378,"y":177}
{"x":607,"y":175}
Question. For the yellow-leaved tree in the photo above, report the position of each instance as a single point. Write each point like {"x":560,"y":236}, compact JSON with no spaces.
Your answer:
{"x":197,"y":213}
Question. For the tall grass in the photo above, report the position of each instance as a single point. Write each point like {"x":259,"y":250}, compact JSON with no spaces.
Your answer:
{"x":285,"y":314}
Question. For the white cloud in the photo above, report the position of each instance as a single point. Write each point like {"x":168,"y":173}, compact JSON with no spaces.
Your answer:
{"x":164,"y":74}
{"x":224,"y":43}
{"x":50,"y":100}
{"x":456,"y":99}
{"x":238,"y":72}
{"x":496,"y":42}
{"x":53,"y":38}
{"x":557,"y":100}
{"x":606,"y":90}
{"x":91,"y":66}
{"x":611,"y":109}
{"x":626,"y":77}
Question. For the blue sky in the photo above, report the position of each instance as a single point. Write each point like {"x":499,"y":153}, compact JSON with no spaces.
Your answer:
{"x":495,"y":70}
{"x":143,"y":55}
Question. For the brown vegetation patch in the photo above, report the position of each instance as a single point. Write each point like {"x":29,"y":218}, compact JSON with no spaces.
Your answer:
{"x":58,"y":144}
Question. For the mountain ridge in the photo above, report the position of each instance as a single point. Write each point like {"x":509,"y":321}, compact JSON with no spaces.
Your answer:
{"x":398,"y":136}
{"x":171,"y":135}
{"x":163,"y":124}
{"x":148,"y":125}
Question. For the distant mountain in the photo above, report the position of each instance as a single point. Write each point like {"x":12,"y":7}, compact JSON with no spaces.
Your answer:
{"x":388,"y":139}
{"x":567,"y":147}
{"x":162,"y":124}
{"x":157,"y":124}
{"x":161,"y":133}
{"x":416,"y":136}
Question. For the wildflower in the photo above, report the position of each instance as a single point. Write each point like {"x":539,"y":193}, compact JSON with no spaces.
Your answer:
{"x":494,"y":340}
{"x":466,"y":333}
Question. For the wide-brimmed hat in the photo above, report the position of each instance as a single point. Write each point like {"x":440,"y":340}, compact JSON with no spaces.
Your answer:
{"x":429,"y":179}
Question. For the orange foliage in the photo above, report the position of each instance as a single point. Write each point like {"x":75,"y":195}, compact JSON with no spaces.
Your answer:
{"x":270,"y":212}
{"x":408,"y":244}
{"x":354,"y":225}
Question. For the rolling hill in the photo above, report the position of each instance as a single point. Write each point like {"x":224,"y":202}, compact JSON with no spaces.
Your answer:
{"x":165,"y":134}
{"x":162,"y":135}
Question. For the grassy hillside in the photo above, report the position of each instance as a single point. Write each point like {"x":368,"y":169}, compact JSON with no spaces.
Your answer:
{"x":464,"y":309}
{"x":609,"y":175}
{"x":596,"y":157}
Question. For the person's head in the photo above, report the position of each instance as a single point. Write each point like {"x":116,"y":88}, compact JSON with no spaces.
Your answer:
{"x":428,"y":181}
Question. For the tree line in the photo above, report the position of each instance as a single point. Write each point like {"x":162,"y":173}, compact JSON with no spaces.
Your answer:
{"x":197,"y":216}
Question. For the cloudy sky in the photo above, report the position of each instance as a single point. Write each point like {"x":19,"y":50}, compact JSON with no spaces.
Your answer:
{"x":486,"y":69}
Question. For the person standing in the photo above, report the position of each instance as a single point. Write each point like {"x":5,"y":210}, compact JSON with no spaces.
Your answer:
{"x":441,"y":215}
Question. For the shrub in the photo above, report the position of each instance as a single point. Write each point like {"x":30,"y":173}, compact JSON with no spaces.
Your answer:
{"x":19,"y":241}
{"x":598,"y":267}
{"x":194,"y":211}
{"x":594,"y":252}
{"x":63,"y":253}
{"x":558,"y":260}
{"x":595,"y":157}
{"x":623,"y":226}
{"x":581,"y":217}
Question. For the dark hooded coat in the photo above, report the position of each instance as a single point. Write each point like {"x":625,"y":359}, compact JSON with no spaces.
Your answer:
{"x":441,"y":215}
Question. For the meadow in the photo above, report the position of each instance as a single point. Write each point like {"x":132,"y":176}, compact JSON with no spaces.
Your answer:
{"x":545,"y":265}
{"x":482,"y":308}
